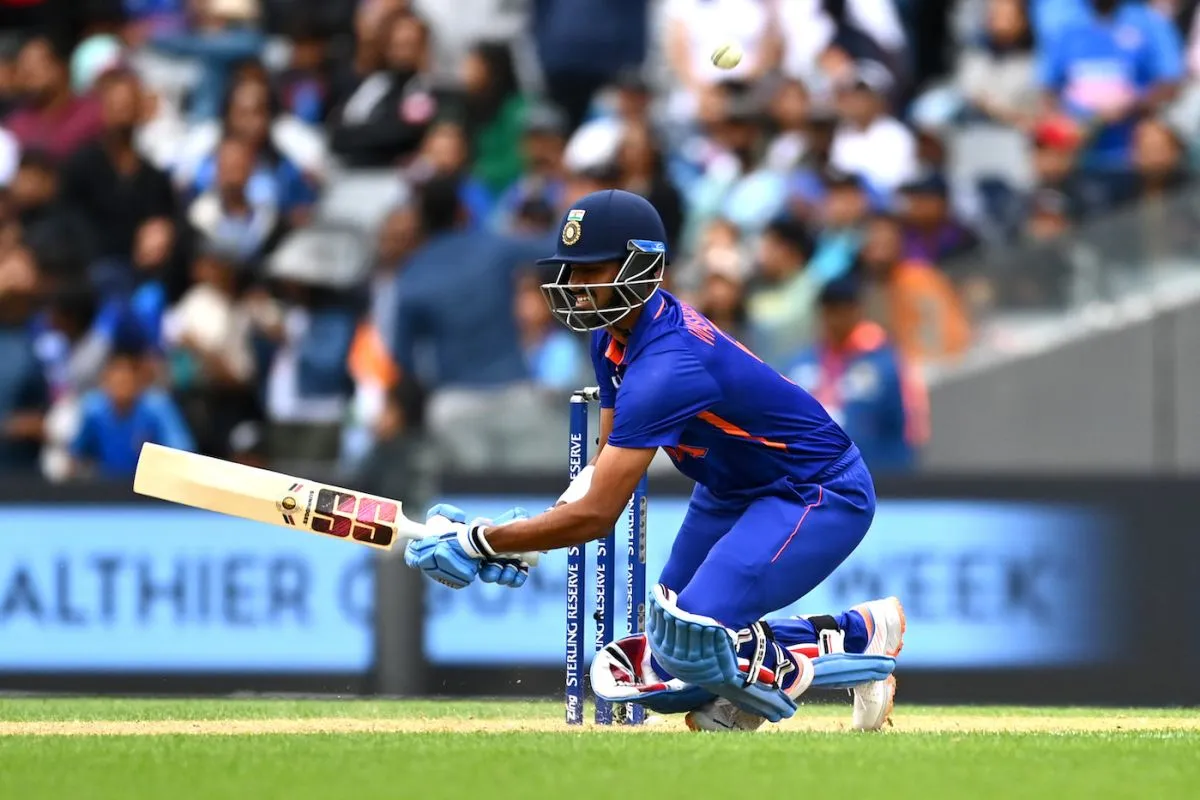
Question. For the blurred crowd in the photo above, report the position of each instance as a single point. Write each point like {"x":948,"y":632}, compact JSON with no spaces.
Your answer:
{"x":302,"y":230}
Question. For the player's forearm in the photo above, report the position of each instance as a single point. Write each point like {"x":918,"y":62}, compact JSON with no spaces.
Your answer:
{"x":562,"y":526}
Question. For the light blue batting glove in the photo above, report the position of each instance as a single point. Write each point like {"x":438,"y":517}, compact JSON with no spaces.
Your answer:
{"x":441,"y":556}
{"x":508,"y":572}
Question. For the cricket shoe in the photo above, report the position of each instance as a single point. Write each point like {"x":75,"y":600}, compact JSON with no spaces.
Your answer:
{"x":722,"y":715}
{"x":873,"y":701}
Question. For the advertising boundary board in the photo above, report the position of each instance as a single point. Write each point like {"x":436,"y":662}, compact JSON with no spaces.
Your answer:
{"x":1160,"y":572}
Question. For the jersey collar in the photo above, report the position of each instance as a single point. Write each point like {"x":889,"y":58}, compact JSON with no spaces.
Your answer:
{"x":652,"y":310}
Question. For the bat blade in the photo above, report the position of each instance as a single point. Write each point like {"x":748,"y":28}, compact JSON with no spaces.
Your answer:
{"x":238,"y":490}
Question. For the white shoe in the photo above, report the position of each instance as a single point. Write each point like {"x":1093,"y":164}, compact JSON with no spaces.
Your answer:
{"x":873,"y":701}
{"x":722,"y":715}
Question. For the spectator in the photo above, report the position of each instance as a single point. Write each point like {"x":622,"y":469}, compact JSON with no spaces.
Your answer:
{"x":1158,"y":157}
{"x":225,"y":34}
{"x":122,"y":414}
{"x":553,"y":355}
{"x":372,"y":363}
{"x":916,"y":304}
{"x":228,"y":214}
{"x":782,"y":298}
{"x":643,"y":172}
{"x":444,"y":153}
{"x":868,"y":142}
{"x":583,"y":44}
{"x":24,"y":396}
{"x":127,"y":202}
{"x":51,"y":118}
{"x":541,"y":185}
{"x":806,"y":184}
{"x":695,"y":28}
{"x":859,"y":378}
{"x":59,"y":238}
{"x":293,"y":154}
{"x":372,"y":29}
{"x":207,"y":336}
{"x":495,"y":113}
{"x":843,"y":214}
{"x":723,"y":300}
{"x":931,"y":234}
{"x":304,"y":87}
{"x":385,"y":118}
{"x":824,"y":39}
{"x":306,"y":340}
{"x":997,"y":79}
{"x":277,"y":181}
{"x":1117,"y":63}
{"x":471,"y":369}
{"x":790,"y":108}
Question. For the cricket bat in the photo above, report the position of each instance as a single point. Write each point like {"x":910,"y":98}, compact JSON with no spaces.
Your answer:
{"x":276,"y":499}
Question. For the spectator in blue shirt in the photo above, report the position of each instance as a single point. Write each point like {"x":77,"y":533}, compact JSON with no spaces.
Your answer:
{"x":1108,"y":68}
{"x":554,"y":354}
{"x":858,"y":377}
{"x":121,"y":415}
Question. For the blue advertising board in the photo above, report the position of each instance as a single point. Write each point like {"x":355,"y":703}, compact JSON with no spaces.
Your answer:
{"x":132,"y":588}
{"x":986,"y":584}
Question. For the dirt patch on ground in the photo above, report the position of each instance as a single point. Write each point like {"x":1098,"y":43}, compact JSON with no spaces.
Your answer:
{"x":1114,"y":723}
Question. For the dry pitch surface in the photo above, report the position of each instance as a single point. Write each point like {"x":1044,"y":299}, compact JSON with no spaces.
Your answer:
{"x":299,"y":749}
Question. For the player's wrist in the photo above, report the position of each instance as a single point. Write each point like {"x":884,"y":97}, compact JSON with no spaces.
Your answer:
{"x":472,"y":539}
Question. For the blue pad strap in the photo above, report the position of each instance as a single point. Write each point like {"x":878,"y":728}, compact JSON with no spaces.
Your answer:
{"x":847,"y":670}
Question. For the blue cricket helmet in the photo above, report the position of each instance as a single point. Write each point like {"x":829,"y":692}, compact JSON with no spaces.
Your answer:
{"x":611,"y":225}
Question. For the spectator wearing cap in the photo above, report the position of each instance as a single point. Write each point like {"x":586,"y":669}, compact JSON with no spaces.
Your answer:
{"x":495,"y":114}
{"x":385,"y":117}
{"x":52,"y":118}
{"x":127,"y":202}
{"x":997,"y":78}
{"x":862,"y":381}
{"x":1119,"y":62}
{"x":538,"y":193}
{"x":583,"y":44}
{"x":868,"y":141}
{"x":931,"y":234}
{"x":914,"y":302}
{"x":120,"y":415}
{"x":781,"y":298}
{"x":24,"y":394}
{"x":226,"y":33}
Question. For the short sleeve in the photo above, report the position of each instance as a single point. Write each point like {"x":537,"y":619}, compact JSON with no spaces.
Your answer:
{"x":603,"y":369}
{"x":661,"y":392}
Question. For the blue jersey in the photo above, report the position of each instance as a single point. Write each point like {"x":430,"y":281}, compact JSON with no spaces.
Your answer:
{"x":729,"y":422}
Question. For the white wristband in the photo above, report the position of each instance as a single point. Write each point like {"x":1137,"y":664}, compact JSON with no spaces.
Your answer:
{"x":579,"y":487}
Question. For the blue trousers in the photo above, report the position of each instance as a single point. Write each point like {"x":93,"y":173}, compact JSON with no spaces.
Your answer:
{"x":738,"y":561}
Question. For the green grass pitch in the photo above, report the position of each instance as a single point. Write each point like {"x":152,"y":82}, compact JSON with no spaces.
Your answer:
{"x":326,"y":750}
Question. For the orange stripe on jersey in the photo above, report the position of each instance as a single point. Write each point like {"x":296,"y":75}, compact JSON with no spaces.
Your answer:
{"x":615,"y":352}
{"x":725,"y":426}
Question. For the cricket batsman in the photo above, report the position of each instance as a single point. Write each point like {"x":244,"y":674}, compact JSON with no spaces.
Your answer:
{"x":782,"y":497}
